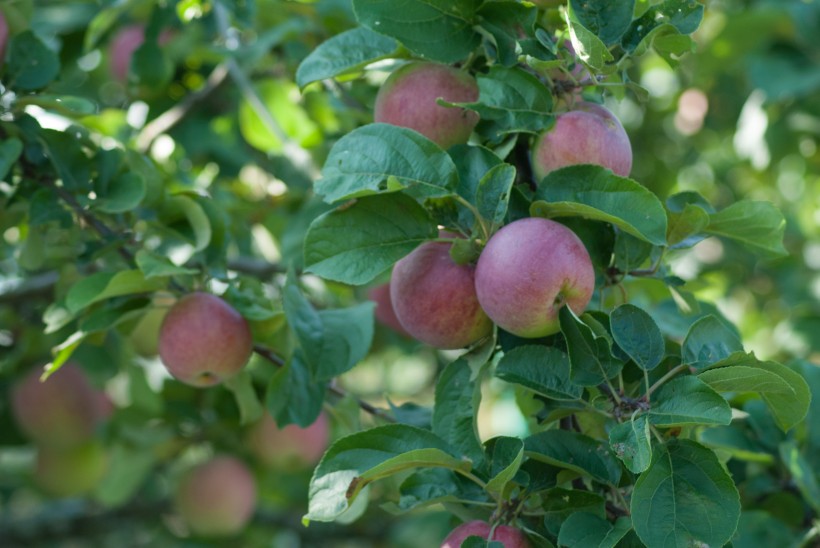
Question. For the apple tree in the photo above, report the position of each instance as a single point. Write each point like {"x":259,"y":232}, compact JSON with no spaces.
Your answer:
{"x":417,"y":273}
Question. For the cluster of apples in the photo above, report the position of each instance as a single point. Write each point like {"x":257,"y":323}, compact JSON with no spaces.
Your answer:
{"x":527,"y":270}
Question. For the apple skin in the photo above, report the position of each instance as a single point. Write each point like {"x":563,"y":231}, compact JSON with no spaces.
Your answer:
{"x":510,"y":537}
{"x":385,"y":314}
{"x":4,"y":37}
{"x":591,"y":134}
{"x":62,"y":412}
{"x":435,"y":299}
{"x":291,"y":447}
{"x":527,"y":271}
{"x":408,"y":99}
{"x":125,"y":42}
{"x":70,"y":472}
{"x":217,"y":497}
{"x":204,"y":340}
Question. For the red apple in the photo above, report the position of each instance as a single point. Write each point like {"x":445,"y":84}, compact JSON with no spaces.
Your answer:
{"x":384,"y":312}
{"x":4,"y":37}
{"x":591,"y":134}
{"x":408,"y":99}
{"x":63,"y":411}
{"x":435,"y":298}
{"x":291,"y":447}
{"x":530,"y":269}
{"x":204,"y":340}
{"x":217,"y":498}
{"x":509,"y":537}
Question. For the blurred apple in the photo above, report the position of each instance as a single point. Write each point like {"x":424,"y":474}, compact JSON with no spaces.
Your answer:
{"x":217,"y":498}
{"x":291,"y":447}
{"x":385,"y":314}
{"x":509,"y":537}
{"x":62,"y":411}
{"x":70,"y":472}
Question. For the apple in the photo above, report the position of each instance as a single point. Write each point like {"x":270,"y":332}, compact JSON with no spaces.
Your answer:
{"x":4,"y":37}
{"x":385,"y":314}
{"x":61,"y":412}
{"x":217,"y":497}
{"x":72,"y":471}
{"x":590,"y":134}
{"x":435,"y":299}
{"x":125,"y":42}
{"x":530,"y":269}
{"x":291,"y":447}
{"x":509,"y":537}
{"x":408,"y":99}
{"x":204,"y":340}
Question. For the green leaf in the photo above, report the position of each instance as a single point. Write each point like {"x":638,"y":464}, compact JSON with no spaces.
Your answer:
{"x":332,"y":341}
{"x":708,"y":341}
{"x":561,"y":503}
{"x":154,"y":265}
{"x":10,"y":150}
{"x":510,"y":101}
{"x":354,"y":461}
{"x":629,"y":252}
{"x":508,"y":454}
{"x":31,"y":64}
{"x":590,"y":354}
{"x":67,"y":157}
{"x":347,"y":52}
{"x":680,"y":16}
{"x":436,"y":485}
{"x":759,"y":529}
{"x":502,"y":24}
{"x":585,"y":530}
{"x":594,"y":192}
{"x":638,"y":335}
{"x":151,"y":66}
{"x":441,"y":30}
{"x":292,"y":396}
{"x":574,"y":451}
{"x":472,"y":164}
{"x":543,"y":369}
{"x":124,"y":194}
{"x":736,"y":442}
{"x":493,"y":193}
{"x":456,"y":406}
{"x":785,"y":392}
{"x":686,"y":226}
{"x":757,"y":225}
{"x":104,"y":285}
{"x":802,"y":473}
{"x":186,"y":217}
{"x":128,"y":469}
{"x":688,"y":400}
{"x":589,"y":48}
{"x":685,"y":498}
{"x":631,"y":443}
{"x":280,"y":99}
{"x":67,"y":105}
{"x":355,"y":243}
{"x":607,"y":19}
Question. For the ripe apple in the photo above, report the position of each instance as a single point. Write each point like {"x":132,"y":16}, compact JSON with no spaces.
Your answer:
{"x":384,"y":312}
{"x":70,"y":472}
{"x":63,"y":411}
{"x":217,"y":497}
{"x":204,"y":340}
{"x":530,"y":269}
{"x":291,"y":447}
{"x":435,"y":298}
{"x":408,"y":99}
{"x":591,"y":134}
{"x":509,"y":537}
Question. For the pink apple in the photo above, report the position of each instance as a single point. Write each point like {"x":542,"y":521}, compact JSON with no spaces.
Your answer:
{"x":530,"y":269}
{"x":591,"y":134}
{"x":204,"y":340}
{"x":510,"y":537}
{"x":291,"y":447}
{"x":217,"y":498}
{"x":435,"y":298}
{"x":408,"y":99}
{"x":4,"y":37}
{"x":61,"y":412}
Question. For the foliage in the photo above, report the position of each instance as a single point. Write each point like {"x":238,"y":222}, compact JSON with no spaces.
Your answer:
{"x":240,"y":158}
